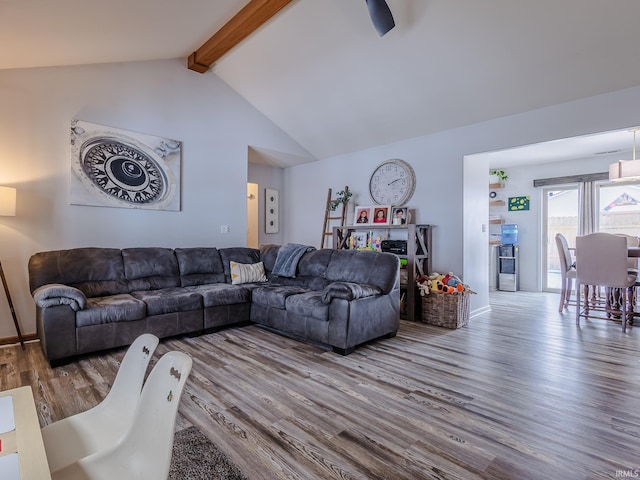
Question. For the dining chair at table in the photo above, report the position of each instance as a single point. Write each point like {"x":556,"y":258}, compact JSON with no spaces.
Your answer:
{"x":602,"y":259}
{"x":567,"y":270}
{"x":632,"y":241}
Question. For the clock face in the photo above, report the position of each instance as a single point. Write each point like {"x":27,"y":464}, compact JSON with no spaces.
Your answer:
{"x":392,"y":183}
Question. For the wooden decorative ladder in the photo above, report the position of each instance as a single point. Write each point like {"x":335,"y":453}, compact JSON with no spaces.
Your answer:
{"x":328,"y":217}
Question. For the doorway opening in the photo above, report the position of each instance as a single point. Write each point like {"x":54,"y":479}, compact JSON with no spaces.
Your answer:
{"x":252,"y":216}
{"x":560,"y":215}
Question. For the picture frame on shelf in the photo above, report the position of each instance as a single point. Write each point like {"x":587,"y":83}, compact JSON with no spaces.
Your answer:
{"x":381,"y":215}
{"x":362,"y":215}
{"x":359,"y":240}
{"x":399,"y":215}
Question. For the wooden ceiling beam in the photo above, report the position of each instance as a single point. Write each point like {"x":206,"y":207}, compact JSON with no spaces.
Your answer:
{"x":246,"y":21}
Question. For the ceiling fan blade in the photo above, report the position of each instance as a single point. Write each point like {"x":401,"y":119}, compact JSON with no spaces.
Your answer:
{"x":380,"y":16}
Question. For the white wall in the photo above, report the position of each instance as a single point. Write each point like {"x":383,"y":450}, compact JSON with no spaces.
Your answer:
{"x":216,"y":127}
{"x":452,"y":193}
{"x":161,"y":98}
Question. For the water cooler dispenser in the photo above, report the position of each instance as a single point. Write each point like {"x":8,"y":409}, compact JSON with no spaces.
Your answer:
{"x":508,"y":259}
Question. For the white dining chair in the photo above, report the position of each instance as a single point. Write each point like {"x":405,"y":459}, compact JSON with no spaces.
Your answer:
{"x":144,"y":453}
{"x":567,"y":271}
{"x":98,"y":428}
{"x":602,"y":259}
{"x":632,"y":241}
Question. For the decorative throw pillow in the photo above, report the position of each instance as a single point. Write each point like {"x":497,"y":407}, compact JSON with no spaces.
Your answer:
{"x":247,"y":272}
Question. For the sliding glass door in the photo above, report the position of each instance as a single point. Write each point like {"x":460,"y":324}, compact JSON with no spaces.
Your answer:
{"x":615,"y":209}
{"x":619,"y":208}
{"x":560,"y":216}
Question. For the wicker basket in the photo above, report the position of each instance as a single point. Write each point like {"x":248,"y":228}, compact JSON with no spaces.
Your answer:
{"x":446,"y":310}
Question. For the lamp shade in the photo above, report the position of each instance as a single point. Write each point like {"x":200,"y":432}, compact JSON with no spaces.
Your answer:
{"x":8,"y":201}
{"x":625,"y":171}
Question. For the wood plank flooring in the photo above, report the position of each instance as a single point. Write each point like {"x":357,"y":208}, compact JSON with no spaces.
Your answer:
{"x":520,"y":393}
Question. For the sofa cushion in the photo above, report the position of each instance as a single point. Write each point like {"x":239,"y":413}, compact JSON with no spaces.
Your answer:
{"x":237,"y":254}
{"x":111,"y":309}
{"x":96,"y":272}
{"x":218,"y":294}
{"x":268,"y":255}
{"x":308,"y":304}
{"x":378,"y":269}
{"x":311,"y":268}
{"x":150,"y":268}
{"x":314,"y":264}
{"x":199,"y":266}
{"x":288,"y":258}
{"x":274,"y":295}
{"x":169,"y":300}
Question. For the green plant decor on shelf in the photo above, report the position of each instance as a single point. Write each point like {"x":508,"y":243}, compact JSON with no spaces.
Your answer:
{"x":501,"y":174}
{"x":343,"y":197}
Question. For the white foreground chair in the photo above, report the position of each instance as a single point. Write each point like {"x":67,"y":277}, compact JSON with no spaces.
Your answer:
{"x":145,"y":451}
{"x":98,"y":428}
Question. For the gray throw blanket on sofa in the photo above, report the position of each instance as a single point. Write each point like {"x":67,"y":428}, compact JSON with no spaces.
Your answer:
{"x":287,"y":259}
{"x":57,"y":294}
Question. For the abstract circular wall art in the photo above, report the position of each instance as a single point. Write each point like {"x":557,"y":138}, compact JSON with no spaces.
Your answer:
{"x":118,"y":168}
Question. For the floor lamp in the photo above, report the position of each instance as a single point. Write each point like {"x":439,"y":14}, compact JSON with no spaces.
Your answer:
{"x":8,"y":209}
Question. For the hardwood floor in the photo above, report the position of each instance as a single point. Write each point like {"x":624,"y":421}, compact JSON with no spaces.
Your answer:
{"x":520,"y":393}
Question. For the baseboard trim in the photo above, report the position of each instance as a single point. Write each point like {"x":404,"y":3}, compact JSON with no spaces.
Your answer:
{"x":480,"y":311}
{"x":15,"y":340}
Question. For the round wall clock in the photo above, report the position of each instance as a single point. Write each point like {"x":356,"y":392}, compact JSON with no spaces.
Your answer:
{"x":392,"y":183}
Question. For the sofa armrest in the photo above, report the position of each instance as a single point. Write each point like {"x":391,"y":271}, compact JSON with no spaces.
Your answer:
{"x":348,"y":291}
{"x":55,"y":294}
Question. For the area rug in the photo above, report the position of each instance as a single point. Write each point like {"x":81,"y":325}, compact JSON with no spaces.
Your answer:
{"x":195,"y":457}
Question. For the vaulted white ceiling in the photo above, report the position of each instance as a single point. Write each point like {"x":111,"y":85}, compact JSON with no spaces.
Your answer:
{"x":319,"y":71}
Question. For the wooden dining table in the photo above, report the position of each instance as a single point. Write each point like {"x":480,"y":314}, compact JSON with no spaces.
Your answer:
{"x":614,"y":308}
{"x":633,"y":252}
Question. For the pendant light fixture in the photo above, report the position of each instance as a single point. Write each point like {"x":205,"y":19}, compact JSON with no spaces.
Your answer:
{"x":626,"y":170}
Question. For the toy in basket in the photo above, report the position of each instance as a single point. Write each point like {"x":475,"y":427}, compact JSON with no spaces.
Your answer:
{"x":445,"y":300}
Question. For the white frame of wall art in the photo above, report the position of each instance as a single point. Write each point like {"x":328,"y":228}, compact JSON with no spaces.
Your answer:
{"x":271,"y":210}
{"x":111,"y":167}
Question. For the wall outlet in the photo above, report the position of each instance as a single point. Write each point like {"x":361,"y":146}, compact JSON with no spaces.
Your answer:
{"x":224,"y":228}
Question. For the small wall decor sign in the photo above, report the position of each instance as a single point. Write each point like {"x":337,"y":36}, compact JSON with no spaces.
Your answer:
{"x":271,"y":214}
{"x":517,"y":204}
{"x":119,"y":168}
